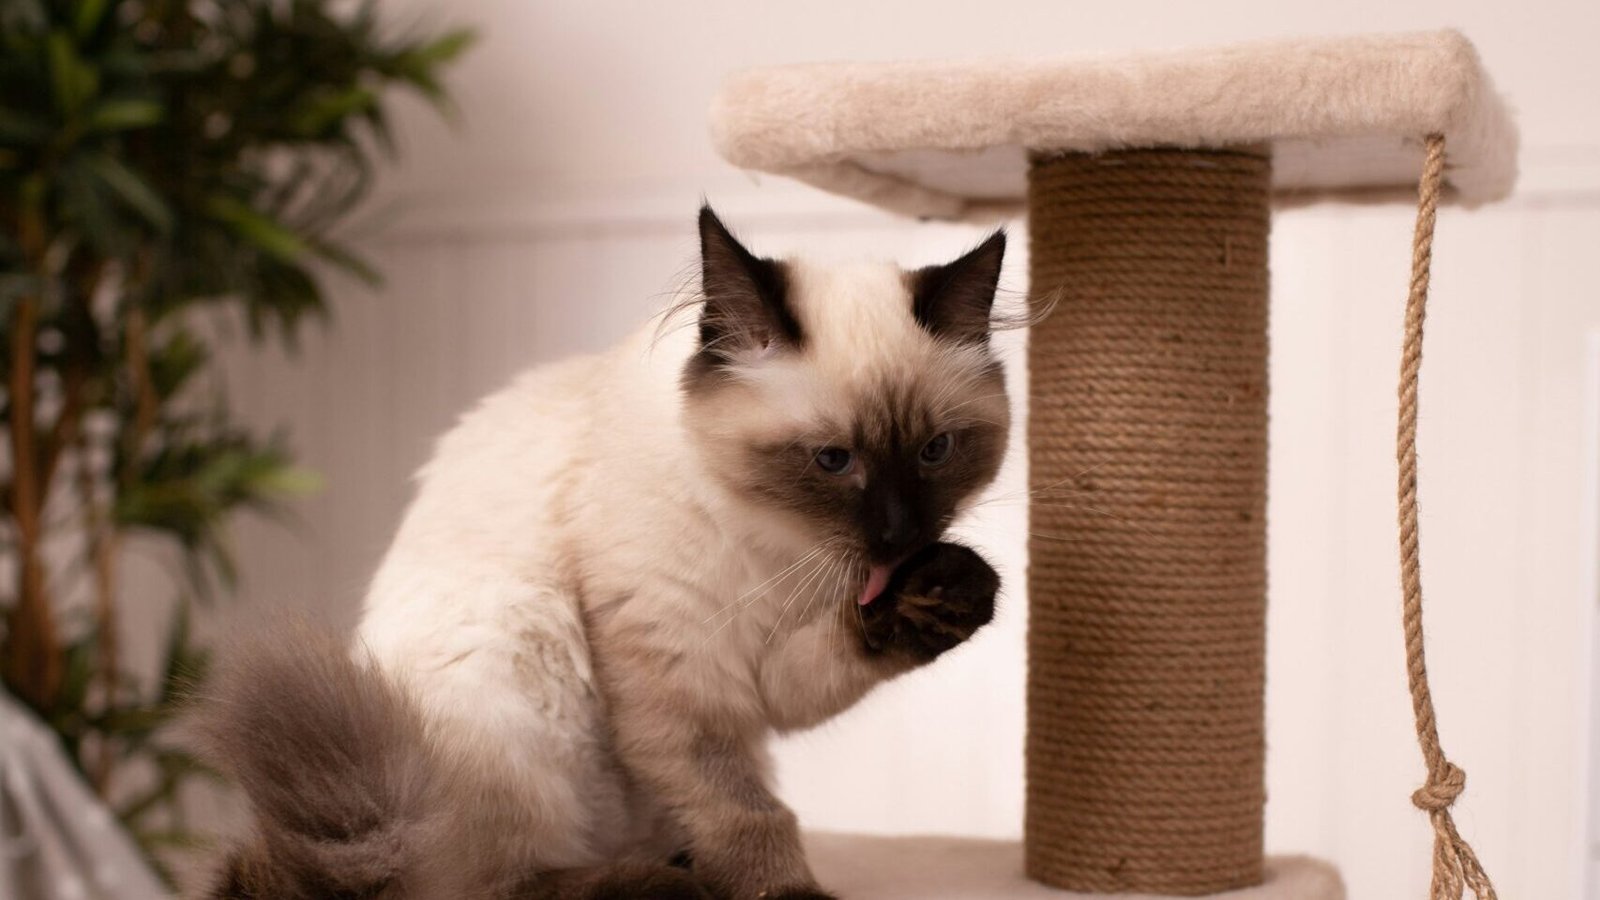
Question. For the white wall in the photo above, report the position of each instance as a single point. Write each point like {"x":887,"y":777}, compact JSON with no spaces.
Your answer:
{"x":554,"y":218}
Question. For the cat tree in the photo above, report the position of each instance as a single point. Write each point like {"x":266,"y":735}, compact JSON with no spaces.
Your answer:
{"x":1148,"y":184}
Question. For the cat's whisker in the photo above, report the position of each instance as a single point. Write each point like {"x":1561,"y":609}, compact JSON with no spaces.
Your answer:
{"x":843,"y":578}
{"x":1056,"y":539}
{"x":830,"y":582}
{"x":1021,"y":497}
{"x":950,"y":389}
{"x":795,"y":595}
{"x":818,"y":548}
{"x":954,"y":423}
{"x":1073,"y":477}
{"x":832,"y":615}
{"x":1061,"y":492}
{"x":1031,"y":492}
{"x":835,"y":614}
{"x":1084,"y":507}
{"x":741,"y":607}
{"x":971,"y":400}
{"x":810,"y":589}
{"x":822,"y":584}
{"x":838,"y":564}
{"x":756,"y":593}
{"x":1082,"y":539}
{"x":1018,"y":498}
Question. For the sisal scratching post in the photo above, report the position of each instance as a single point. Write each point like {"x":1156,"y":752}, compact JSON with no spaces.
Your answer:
{"x":1147,"y":460}
{"x":1147,"y":434}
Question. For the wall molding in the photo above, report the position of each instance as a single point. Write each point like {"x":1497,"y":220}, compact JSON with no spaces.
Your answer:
{"x":1566,"y":177}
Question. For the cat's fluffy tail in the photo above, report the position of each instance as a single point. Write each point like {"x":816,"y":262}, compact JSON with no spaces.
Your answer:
{"x":352,"y":800}
{"x":332,"y":755}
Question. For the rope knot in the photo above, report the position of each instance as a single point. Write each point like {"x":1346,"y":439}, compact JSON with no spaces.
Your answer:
{"x":1441,"y":790}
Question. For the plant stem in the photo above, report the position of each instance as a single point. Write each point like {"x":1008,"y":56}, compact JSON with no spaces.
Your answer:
{"x":74,"y":382}
{"x":107,"y":544}
{"x":146,"y":404}
{"x":107,"y":541}
{"x":33,"y":662}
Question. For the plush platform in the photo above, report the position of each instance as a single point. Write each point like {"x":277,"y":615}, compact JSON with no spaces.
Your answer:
{"x":950,"y":140}
{"x":859,"y":867}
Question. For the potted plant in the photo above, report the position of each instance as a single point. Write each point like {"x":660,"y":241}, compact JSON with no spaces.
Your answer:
{"x":158,"y":159}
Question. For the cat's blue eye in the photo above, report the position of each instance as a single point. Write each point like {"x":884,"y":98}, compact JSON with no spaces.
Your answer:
{"x":835,"y":460}
{"x":936,"y":452}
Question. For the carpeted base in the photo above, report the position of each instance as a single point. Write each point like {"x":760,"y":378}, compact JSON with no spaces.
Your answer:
{"x":859,"y":867}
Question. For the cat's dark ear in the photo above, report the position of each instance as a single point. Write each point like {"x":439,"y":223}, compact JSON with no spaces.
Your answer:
{"x":746,"y":296}
{"x":953,"y":301}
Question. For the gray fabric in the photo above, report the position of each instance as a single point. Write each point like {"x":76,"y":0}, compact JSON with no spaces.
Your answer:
{"x":57,"y":841}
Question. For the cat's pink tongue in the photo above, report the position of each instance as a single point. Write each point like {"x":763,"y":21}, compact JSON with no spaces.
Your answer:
{"x":877,"y":580}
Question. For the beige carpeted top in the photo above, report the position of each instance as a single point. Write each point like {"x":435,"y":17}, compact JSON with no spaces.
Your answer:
{"x":1345,"y":117}
{"x":948,"y":868}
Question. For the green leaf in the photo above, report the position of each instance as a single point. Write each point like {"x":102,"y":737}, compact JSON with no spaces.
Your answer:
{"x":223,"y":562}
{"x":187,"y":666}
{"x":134,"y":722}
{"x":446,"y":48}
{"x":118,"y":115}
{"x":86,"y":17}
{"x":174,"y":362}
{"x":90,"y":209}
{"x":20,"y":128}
{"x":172,"y":506}
{"x":348,"y":261}
{"x":330,"y":107}
{"x":131,"y":188}
{"x":112,"y":148}
{"x":270,"y":236}
{"x":81,"y":666}
{"x":74,"y":80}
{"x":288,"y":481}
{"x":174,"y":766}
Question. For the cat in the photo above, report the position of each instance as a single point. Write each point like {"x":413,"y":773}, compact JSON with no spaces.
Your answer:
{"x":618,"y":577}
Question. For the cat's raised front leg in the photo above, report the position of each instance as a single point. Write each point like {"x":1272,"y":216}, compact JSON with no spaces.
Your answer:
{"x":935,"y":600}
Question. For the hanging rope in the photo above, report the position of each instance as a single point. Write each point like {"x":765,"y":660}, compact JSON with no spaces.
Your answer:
{"x":1455,"y":867}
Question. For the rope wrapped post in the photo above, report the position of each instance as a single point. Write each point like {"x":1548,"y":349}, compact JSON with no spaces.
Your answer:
{"x":1147,"y":449}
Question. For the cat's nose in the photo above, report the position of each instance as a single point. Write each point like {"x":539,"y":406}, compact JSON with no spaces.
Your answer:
{"x":899,"y":525}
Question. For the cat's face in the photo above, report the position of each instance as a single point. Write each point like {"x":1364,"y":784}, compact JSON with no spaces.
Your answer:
{"x":861,"y":405}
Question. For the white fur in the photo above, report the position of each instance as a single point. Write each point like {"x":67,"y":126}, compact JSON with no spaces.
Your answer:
{"x":578,"y":484}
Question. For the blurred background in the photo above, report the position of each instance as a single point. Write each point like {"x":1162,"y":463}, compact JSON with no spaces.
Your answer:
{"x":552,"y":214}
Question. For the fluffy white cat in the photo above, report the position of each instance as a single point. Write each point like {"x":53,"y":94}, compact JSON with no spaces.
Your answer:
{"x":619,"y":576}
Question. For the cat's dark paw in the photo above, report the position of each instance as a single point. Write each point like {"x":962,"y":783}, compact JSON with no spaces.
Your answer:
{"x":934,"y":601}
